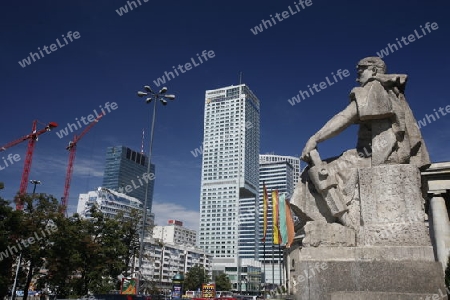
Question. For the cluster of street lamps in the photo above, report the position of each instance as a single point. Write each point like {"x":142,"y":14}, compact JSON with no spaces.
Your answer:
{"x":150,"y":95}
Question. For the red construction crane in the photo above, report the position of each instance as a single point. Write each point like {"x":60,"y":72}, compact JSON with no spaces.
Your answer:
{"x":72,"y":148}
{"x":32,"y":138}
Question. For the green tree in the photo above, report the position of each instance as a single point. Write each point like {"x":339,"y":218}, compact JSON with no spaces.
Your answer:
{"x":223,"y":283}
{"x":195,"y":277}
{"x":63,"y":256}
{"x":89,"y":254}
{"x":96,"y":251}
{"x":10,"y":222}
{"x":129,"y":230}
{"x":38,"y":224}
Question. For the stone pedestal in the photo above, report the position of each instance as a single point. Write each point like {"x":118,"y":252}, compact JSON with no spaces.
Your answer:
{"x":392,"y":207}
{"x":388,"y":255}
{"x":348,"y":273}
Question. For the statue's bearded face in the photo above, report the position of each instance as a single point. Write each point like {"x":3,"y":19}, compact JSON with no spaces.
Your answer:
{"x":364,"y":74}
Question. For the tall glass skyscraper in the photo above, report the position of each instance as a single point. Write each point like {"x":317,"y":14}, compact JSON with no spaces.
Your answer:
{"x":125,"y":171}
{"x":230,"y":173}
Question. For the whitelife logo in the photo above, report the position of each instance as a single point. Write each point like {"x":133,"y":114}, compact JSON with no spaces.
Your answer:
{"x":124,"y":9}
{"x":280,"y":17}
{"x":391,"y":48}
{"x":318,"y":87}
{"x":33,"y":56}
{"x":11,"y":158}
{"x":86,"y":120}
{"x":430,"y":118}
{"x":187,"y":66}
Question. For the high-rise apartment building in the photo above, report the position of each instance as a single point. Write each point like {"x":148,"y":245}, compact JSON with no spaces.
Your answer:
{"x":126,"y":172}
{"x":230,"y":173}
{"x":278,"y":173}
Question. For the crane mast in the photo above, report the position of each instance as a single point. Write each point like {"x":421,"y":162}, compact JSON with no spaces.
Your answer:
{"x":72,"y":148}
{"x":32,"y":138}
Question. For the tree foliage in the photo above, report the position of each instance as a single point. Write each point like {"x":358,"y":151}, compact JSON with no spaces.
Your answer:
{"x":71,"y":256}
{"x":223,"y":283}
{"x":195,"y":277}
{"x":9,"y":226}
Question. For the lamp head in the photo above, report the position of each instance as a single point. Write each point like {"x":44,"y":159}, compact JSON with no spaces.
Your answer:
{"x":141,"y":94}
{"x":148,"y":89}
{"x":163,"y":90}
{"x":170,"y":97}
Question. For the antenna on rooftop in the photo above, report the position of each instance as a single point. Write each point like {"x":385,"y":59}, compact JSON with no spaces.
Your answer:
{"x":142,"y":144}
{"x":240,"y":78}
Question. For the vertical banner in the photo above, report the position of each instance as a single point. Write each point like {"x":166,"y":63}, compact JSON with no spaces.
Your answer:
{"x":265,"y":206}
{"x":275,"y":219}
{"x":282,"y":217}
{"x":128,"y":286}
{"x":290,"y":225}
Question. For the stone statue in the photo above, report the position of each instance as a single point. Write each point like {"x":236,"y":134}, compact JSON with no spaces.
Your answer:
{"x":388,"y":134}
{"x":362,"y":214}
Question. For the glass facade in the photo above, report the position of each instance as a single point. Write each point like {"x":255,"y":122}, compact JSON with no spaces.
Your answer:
{"x":281,"y":173}
{"x":126,"y":172}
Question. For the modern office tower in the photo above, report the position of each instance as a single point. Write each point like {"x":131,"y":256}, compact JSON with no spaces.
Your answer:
{"x":248,"y":228}
{"x":175,"y":233}
{"x":294,"y":161}
{"x":278,"y":173}
{"x":126,"y":172}
{"x":230,"y":171}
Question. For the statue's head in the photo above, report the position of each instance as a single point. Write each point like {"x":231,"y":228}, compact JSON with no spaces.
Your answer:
{"x":369,"y":67}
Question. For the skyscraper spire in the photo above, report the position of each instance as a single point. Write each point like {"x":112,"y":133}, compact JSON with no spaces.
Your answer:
{"x":142,"y":144}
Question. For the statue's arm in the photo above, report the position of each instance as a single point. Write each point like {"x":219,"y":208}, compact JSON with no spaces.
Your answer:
{"x":338,"y":123}
{"x":333,"y":127}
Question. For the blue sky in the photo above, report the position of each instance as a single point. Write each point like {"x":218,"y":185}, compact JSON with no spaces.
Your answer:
{"x":114,"y":56}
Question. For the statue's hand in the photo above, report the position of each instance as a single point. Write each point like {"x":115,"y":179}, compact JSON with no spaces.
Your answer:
{"x":310,"y":145}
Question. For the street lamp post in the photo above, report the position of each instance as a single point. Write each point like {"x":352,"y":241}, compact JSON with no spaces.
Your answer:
{"x":151,"y":96}
{"x":35,"y":182}
{"x":13,"y":292}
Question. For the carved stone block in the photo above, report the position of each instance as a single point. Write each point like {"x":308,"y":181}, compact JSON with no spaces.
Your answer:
{"x":392,"y":210}
{"x":328,"y":234}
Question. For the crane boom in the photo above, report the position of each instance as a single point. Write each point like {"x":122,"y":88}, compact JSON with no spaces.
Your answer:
{"x":34,"y":134}
{"x":72,"y":148}
{"x":32,"y":138}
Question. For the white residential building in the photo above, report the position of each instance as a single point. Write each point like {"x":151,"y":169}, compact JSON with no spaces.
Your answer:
{"x":175,"y":233}
{"x":110,"y":203}
{"x":164,"y":260}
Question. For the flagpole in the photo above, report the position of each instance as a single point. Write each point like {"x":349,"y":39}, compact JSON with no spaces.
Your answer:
{"x":273,"y":264}
{"x":280,"y":264}
{"x":264,"y":266}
